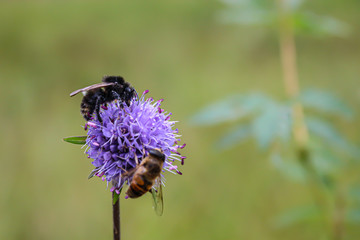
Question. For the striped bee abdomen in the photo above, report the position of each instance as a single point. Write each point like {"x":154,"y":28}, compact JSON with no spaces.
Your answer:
{"x":139,"y":186}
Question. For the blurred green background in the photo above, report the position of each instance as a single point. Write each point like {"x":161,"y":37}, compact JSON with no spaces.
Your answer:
{"x":181,"y":53}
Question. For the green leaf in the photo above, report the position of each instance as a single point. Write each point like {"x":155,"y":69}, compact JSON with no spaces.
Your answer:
{"x":264,"y":127}
{"x":326,"y":102}
{"x":233,"y":137}
{"x":229,"y":109}
{"x":116,"y":196}
{"x":330,"y":135}
{"x":76,"y":139}
{"x":284,"y":123}
{"x":311,"y":23}
{"x":254,"y":12}
{"x":273,"y":122}
{"x":289,"y":169}
{"x":246,"y":16}
{"x":323,"y":160}
{"x":297,"y":215}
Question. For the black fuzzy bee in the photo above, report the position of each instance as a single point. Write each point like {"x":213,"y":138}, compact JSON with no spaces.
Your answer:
{"x":111,"y":88}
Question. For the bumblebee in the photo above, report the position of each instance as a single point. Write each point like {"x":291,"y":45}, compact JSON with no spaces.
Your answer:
{"x":147,"y":178}
{"x":111,"y":88}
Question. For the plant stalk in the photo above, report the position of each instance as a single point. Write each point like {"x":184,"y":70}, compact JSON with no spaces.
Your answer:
{"x":290,"y":74}
{"x":339,"y":215}
{"x":116,"y":218}
{"x":292,"y":89}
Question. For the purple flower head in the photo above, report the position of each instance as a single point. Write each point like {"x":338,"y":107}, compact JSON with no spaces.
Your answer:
{"x":127,"y":133}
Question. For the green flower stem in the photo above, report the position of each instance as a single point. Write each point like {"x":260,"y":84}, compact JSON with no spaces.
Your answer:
{"x":116,"y":218}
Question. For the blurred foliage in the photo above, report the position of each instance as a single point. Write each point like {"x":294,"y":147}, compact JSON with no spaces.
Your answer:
{"x":178,"y":51}
{"x":325,"y":101}
{"x":267,"y":119}
{"x":271,"y":122}
{"x":265,"y":13}
{"x":298,"y":214}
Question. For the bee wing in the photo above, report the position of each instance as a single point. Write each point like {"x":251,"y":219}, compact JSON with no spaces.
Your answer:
{"x":95,"y":86}
{"x":157,"y":196}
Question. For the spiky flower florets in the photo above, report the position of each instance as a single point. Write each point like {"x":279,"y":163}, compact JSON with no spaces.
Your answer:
{"x":127,"y":133}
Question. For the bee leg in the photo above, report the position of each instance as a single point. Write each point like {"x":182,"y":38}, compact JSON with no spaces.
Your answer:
{"x":125,"y":172}
{"x":136,"y":160}
{"x":97,"y":109}
{"x":144,"y":153}
{"x":115,"y":94}
{"x":151,"y":190}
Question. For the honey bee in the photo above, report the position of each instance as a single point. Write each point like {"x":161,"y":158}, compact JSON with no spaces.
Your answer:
{"x":111,"y":88}
{"x":147,"y":178}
